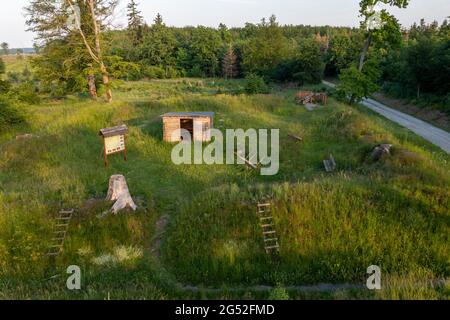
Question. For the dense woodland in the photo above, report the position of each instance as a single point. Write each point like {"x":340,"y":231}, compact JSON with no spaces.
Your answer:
{"x":411,"y":63}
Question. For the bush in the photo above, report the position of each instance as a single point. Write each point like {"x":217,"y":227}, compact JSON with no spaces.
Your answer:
{"x":255,"y":84}
{"x":153,"y":72}
{"x":357,"y":85}
{"x":27,"y":92}
{"x":9,"y":114}
{"x":2,"y":67}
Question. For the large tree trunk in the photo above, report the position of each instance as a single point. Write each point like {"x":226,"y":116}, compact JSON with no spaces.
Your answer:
{"x":106,"y":82}
{"x":362,"y":58}
{"x":118,"y":191}
{"x":92,"y":86}
{"x":97,"y":57}
{"x":98,"y":48}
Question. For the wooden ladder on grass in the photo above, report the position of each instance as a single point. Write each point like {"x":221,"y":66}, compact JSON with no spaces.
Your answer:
{"x":60,"y":232}
{"x":271,"y":244}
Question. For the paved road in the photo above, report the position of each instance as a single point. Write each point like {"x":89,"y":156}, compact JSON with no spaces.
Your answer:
{"x":430,"y":133}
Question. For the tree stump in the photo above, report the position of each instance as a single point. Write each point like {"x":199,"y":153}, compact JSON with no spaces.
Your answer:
{"x":118,"y":191}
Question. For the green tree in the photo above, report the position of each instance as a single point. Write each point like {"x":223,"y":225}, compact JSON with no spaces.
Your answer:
{"x":381,"y":30}
{"x":264,"y":51}
{"x":158,"y":46}
{"x":135,"y":22}
{"x":342,"y":52}
{"x":80,"y":21}
{"x":203,"y":52}
{"x":355,"y":84}
{"x":5,"y":48}
{"x":2,"y":67}
{"x":381,"y":27}
{"x":225,"y":34}
{"x":306,"y":66}
{"x":158,"y":21}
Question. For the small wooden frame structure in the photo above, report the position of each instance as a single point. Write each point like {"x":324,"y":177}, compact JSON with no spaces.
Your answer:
{"x":309,"y":97}
{"x":198,"y":124}
{"x":114,"y":141}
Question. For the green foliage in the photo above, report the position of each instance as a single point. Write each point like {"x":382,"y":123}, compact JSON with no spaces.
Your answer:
{"x":5,"y":48}
{"x":355,"y":85}
{"x":255,"y":84}
{"x":279,"y":293}
{"x":9,"y":113}
{"x":306,"y":66}
{"x":2,"y":67}
{"x":342,"y":52}
{"x":135,"y":22}
{"x":266,"y":49}
{"x":420,"y":68}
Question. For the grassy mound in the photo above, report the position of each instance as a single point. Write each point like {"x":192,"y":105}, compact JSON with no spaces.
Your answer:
{"x":331,"y":227}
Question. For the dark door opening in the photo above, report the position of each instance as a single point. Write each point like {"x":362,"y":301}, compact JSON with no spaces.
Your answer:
{"x":188,"y":124}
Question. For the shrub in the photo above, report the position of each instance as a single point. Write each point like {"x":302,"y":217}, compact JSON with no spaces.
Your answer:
{"x":9,"y":114}
{"x":279,"y":293}
{"x":153,"y":72}
{"x":2,"y":67}
{"x":27,"y":92}
{"x":357,"y":85}
{"x":255,"y":84}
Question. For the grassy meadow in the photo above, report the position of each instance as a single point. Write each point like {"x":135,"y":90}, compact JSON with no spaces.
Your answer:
{"x":393,"y":213}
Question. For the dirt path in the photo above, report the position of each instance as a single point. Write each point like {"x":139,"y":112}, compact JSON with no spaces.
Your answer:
{"x":425,"y":130}
{"x":160,"y":229}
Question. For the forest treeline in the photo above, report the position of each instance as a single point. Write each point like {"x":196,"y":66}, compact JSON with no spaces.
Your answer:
{"x":408,"y":63}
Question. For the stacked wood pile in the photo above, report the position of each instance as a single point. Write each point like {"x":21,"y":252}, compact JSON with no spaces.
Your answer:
{"x":306,"y":97}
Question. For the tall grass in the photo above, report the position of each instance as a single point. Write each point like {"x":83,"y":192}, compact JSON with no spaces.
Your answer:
{"x":331,"y":227}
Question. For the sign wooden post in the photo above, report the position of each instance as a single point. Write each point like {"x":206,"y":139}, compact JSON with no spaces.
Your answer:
{"x":114,"y":141}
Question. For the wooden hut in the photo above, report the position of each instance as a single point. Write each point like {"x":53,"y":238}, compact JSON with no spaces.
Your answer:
{"x":198,"y":124}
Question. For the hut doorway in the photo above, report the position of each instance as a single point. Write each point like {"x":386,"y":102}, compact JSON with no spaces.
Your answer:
{"x":187,"y":124}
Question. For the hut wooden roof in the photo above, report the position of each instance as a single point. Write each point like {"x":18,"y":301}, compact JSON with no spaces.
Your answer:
{"x":114,"y":131}
{"x":188,"y":115}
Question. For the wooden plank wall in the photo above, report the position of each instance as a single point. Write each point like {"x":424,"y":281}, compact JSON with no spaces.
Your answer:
{"x":171,"y":124}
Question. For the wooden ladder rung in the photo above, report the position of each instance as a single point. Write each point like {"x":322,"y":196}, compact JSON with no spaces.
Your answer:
{"x":61,"y":225}
{"x":273,"y":247}
{"x":272,"y":239}
{"x":269,"y":232}
{"x":267,"y":225}
{"x":63,"y":218}
{"x":266,"y":218}
{"x":64,"y":211}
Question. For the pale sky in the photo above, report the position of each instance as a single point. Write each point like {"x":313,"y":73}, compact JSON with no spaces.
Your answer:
{"x":233,"y":13}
